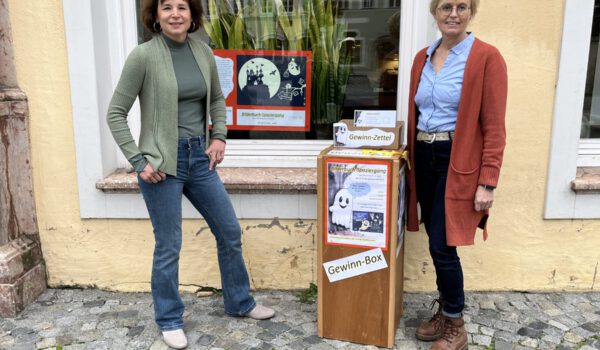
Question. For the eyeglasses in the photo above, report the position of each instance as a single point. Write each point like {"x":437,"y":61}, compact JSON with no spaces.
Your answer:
{"x":461,"y":9}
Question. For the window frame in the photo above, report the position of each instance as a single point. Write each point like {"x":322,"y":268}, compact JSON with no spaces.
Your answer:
{"x":561,"y":201}
{"x":100,"y":34}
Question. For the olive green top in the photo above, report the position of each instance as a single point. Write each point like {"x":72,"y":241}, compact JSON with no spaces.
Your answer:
{"x":149,"y":73}
{"x":191,"y":88}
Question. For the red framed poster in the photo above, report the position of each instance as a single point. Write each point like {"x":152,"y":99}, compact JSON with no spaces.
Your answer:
{"x":266,"y":89}
{"x":357,"y":198}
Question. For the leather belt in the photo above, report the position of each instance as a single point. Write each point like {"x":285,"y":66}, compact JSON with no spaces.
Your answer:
{"x":435,"y":136}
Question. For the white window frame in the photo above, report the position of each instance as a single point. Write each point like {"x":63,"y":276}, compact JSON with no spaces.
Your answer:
{"x":561,"y":201}
{"x":99,"y":36}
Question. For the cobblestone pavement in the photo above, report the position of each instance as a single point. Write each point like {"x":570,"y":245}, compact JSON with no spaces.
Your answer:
{"x":94,"y":319}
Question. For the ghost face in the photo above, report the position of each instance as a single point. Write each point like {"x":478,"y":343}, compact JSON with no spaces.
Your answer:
{"x":341,"y":209}
{"x":293,"y":68}
{"x":341,"y":134}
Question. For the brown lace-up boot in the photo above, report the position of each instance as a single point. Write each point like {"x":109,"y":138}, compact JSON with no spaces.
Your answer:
{"x":432,"y":329}
{"x":454,"y":337}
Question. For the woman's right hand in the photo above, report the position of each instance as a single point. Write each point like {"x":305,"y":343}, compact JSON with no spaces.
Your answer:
{"x":151,"y":176}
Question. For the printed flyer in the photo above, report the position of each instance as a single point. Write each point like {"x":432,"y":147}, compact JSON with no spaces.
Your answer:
{"x":357,"y":203}
{"x":401,"y":208}
{"x":266,"y":90}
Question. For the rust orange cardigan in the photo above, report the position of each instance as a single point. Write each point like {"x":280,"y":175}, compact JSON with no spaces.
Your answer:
{"x":478,"y":144}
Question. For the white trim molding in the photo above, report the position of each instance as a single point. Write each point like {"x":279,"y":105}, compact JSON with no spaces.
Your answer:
{"x":561,"y":201}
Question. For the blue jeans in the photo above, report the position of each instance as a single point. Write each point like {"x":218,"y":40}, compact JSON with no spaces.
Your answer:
{"x":431,"y":171}
{"x":206,"y":192}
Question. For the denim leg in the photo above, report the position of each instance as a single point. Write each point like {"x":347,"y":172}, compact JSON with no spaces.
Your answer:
{"x":163,"y":201}
{"x":207,"y":194}
{"x":431,"y":169}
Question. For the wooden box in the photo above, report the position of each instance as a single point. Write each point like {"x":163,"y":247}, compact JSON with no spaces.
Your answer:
{"x":363,"y":308}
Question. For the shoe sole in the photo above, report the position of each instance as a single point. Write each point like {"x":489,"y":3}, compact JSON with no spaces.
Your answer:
{"x":428,"y":337}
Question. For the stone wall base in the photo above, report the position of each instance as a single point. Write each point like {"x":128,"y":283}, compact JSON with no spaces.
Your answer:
{"x":22,"y":275}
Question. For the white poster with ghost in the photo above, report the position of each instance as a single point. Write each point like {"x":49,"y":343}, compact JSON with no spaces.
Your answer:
{"x":357,"y":203}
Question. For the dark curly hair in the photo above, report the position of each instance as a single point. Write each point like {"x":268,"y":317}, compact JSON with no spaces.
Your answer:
{"x":150,"y":14}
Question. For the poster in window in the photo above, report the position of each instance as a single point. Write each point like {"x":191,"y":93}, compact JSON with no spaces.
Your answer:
{"x":357,"y":200}
{"x":266,"y":90}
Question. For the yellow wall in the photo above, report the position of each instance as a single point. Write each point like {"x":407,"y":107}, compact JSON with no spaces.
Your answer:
{"x":524,"y":252}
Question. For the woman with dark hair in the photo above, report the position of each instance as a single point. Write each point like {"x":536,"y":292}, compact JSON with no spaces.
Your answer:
{"x":176,"y":81}
{"x":456,"y":138}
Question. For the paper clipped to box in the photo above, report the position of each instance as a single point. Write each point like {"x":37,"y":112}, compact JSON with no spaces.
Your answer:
{"x":375,"y":118}
{"x":345,"y":134}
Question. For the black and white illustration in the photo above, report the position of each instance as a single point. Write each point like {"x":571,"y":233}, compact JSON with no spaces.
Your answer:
{"x":363,"y":221}
{"x":271,"y":80}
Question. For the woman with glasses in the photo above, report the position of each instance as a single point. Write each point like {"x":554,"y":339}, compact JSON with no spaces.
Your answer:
{"x":456,"y":139}
{"x":176,"y":80}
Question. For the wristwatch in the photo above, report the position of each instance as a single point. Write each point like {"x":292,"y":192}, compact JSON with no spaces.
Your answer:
{"x":488,"y":187}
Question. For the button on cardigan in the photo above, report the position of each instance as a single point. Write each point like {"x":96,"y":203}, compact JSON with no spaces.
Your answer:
{"x":149,"y":74}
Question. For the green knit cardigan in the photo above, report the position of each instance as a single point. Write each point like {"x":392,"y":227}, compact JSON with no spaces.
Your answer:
{"x":149,"y":74}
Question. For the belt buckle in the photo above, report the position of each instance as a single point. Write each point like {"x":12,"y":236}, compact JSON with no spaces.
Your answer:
{"x":432,"y":139}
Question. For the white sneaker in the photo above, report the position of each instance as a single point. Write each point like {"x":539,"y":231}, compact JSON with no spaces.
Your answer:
{"x":175,"y":339}
{"x":261,"y":312}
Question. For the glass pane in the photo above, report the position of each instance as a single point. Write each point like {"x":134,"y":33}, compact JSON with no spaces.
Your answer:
{"x":353,"y":45}
{"x":590,"y":126}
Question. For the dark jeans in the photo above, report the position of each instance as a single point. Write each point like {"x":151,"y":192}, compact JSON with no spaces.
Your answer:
{"x":431,"y":170}
{"x":206,"y":192}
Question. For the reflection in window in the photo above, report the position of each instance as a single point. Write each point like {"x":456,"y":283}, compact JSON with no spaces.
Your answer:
{"x":590,"y":126}
{"x":353,"y":43}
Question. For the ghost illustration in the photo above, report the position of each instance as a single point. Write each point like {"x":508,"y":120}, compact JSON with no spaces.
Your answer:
{"x":293,"y":67}
{"x":341,"y":134}
{"x":341,"y":209}
{"x":365,"y":225}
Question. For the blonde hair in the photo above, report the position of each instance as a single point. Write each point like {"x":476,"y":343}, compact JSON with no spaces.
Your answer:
{"x":433,"y":5}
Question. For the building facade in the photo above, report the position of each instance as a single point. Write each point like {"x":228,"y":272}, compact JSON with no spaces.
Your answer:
{"x":93,"y":225}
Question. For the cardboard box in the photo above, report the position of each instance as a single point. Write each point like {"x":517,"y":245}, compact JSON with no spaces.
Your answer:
{"x":360,"y":244}
{"x":345,"y":134}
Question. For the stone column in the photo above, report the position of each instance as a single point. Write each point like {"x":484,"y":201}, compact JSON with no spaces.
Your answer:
{"x":22,"y":271}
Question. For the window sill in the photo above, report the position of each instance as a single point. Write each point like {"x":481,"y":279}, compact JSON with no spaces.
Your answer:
{"x":236,"y":180}
{"x":587,"y":181}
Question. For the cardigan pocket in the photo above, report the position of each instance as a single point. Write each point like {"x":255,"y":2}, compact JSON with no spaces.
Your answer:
{"x":461,"y":185}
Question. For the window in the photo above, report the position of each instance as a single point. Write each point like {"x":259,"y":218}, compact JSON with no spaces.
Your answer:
{"x":358,"y":56}
{"x":589,"y":146}
{"x":574,"y":121}
{"x":99,"y":36}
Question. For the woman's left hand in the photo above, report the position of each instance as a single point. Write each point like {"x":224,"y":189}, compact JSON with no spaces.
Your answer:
{"x":483,"y":199}
{"x":215,"y":152}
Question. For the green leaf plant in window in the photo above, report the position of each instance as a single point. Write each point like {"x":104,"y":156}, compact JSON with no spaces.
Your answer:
{"x":314,"y":25}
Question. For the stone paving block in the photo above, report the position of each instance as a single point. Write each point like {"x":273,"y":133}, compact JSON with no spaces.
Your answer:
{"x":487,"y":304}
{"x":46,"y":343}
{"x":551,"y":339}
{"x":503,"y":345}
{"x":529,"y":342}
{"x":506,"y":326}
{"x":24,"y":346}
{"x":483,"y":340}
{"x":487,"y":331}
{"x":6,"y":342}
{"x":406,"y":345}
{"x":519,"y":305}
{"x":573,"y":337}
{"x":583,"y":332}
{"x":472,"y":328}
{"x":558,"y":325}
{"x":553,"y":312}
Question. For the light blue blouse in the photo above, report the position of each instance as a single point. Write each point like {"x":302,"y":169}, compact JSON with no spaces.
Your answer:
{"x":438,"y":95}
